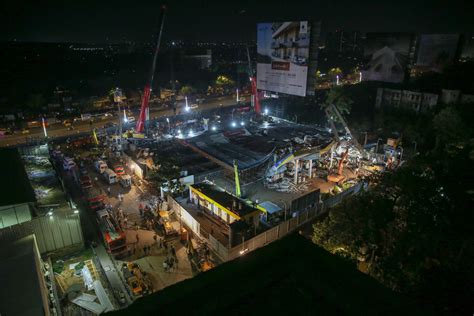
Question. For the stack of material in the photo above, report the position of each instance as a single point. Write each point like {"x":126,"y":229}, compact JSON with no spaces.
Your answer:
{"x":86,"y":301}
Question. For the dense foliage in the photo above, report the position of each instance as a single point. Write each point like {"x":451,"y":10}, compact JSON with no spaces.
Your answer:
{"x":412,"y":230}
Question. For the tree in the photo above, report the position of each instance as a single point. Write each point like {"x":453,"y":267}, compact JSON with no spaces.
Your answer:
{"x":413,"y":230}
{"x":339,"y":98}
{"x":334,"y":72}
{"x":449,"y":128}
{"x":224,"y":81}
{"x":186,"y":90}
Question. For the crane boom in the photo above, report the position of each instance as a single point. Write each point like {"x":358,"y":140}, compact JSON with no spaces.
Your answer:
{"x":237,"y":181}
{"x":147,"y":91}
{"x":253,"y":85}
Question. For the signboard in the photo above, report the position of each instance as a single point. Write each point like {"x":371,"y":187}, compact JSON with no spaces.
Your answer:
{"x":436,"y":51}
{"x":386,"y":56}
{"x":282,"y":56}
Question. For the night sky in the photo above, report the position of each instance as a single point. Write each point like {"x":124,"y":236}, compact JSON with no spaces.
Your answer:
{"x":115,"y":21}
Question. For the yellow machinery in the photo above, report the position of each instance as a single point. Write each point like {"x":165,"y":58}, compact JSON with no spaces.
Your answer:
{"x":94,"y":137}
{"x":237,"y":181}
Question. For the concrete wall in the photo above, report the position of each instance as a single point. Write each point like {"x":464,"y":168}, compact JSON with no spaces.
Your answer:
{"x":14,"y":214}
{"x":52,"y":232}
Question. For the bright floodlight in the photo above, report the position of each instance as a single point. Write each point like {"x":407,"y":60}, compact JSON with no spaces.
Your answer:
{"x":213,"y":128}
{"x":242,"y":123}
{"x":234,"y":124}
{"x":167,"y":120}
{"x":190,"y":134}
{"x":186,"y":108}
{"x":266,"y":111}
{"x":179,"y":131}
{"x":125,"y":119}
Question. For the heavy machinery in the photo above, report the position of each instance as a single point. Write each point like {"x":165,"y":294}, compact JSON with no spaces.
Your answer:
{"x":331,"y":112}
{"x":144,"y":110}
{"x":255,"y":99}
{"x":114,"y":237}
{"x":339,"y":177}
{"x":136,"y":279}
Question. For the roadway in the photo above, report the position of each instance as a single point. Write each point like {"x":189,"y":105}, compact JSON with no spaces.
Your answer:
{"x":58,"y":130}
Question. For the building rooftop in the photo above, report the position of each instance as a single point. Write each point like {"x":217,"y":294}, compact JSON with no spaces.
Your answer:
{"x":15,"y":187}
{"x":289,"y":276}
{"x":20,"y":293}
{"x":224,"y":199}
{"x":255,"y":144}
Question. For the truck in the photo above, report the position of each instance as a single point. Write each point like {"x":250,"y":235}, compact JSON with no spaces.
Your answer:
{"x":86,"y":182}
{"x":100,"y":166}
{"x":113,"y":235}
{"x":95,"y":199}
{"x":125,"y":181}
{"x":68,"y":163}
{"x":110,"y":176}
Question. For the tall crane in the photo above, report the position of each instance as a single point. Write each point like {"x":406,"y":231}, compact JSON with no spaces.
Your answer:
{"x":253,"y":84}
{"x":331,"y":111}
{"x":144,"y":110}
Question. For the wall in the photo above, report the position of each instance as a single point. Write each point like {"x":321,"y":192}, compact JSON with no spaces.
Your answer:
{"x":14,"y":214}
{"x":52,"y":233}
{"x":187,"y":218}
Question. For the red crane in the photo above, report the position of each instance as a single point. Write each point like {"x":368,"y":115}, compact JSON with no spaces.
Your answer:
{"x":147,"y":91}
{"x":253,"y":85}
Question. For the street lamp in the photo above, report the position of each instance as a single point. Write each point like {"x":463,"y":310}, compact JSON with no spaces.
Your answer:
{"x":44,"y":127}
{"x":266,"y":111}
{"x":186,"y":108}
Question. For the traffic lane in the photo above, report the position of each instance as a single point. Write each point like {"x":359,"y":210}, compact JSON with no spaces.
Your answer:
{"x":12,"y":140}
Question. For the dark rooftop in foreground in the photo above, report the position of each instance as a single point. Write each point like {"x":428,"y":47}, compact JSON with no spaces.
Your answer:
{"x":15,"y":187}
{"x":291,"y":276}
{"x":224,"y":198}
{"x":20,"y":293}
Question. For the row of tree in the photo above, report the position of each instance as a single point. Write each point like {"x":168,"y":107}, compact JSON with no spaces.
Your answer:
{"x":412,"y":230}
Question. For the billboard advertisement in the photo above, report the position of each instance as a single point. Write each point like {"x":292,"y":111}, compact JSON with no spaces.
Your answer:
{"x":436,"y":51}
{"x":386,"y":56}
{"x":282,"y":57}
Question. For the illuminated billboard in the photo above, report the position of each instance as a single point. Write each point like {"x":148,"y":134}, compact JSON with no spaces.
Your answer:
{"x":282,"y":57}
{"x":436,"y":51}
{"x":386,"y":56}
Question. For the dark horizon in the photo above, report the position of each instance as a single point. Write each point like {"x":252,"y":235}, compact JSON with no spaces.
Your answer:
{"x":123,"y":21}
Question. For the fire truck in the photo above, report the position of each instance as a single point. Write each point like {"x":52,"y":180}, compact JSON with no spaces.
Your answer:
{"x":114,"y":237}
{"x":95,"y":199}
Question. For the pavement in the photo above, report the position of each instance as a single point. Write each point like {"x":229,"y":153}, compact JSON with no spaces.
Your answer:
{"x":152,"y":263}
{"x":58,"y":130}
